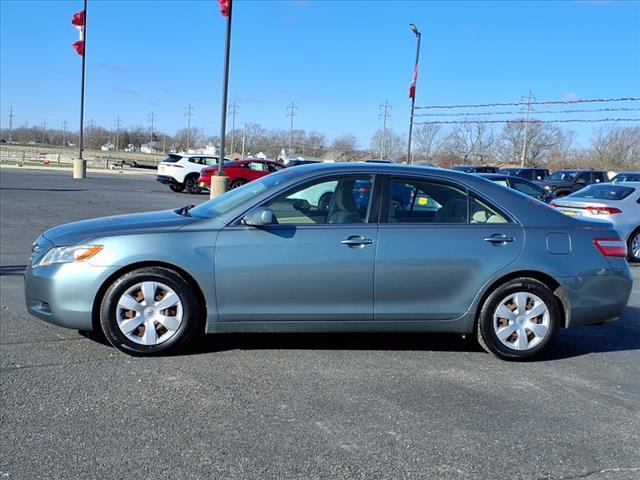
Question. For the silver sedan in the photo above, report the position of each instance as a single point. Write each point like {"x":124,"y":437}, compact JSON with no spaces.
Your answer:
{"x":618,"y":203}
{"x":390,"y":248}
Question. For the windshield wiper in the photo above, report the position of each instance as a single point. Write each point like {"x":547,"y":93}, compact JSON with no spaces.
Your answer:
{"x":184,"y":211}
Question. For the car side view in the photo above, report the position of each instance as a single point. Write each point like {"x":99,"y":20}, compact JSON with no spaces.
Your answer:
{"x":462,"y":254}
{"x":565,"y":182}
{"x":181,"y":171}
{"x":240,"y":172}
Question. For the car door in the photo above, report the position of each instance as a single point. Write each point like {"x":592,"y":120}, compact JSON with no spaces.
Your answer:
{"x":314,"y":264}
{"x":434,"y":256}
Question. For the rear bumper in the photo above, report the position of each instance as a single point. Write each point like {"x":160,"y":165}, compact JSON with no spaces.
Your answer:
{"x":596,"y":298}
{"x":63,"y":294}
{"x":166,"y":180}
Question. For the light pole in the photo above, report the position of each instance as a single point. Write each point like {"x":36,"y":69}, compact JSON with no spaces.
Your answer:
{"x":219,"y":181}
{"x":412,"y":89}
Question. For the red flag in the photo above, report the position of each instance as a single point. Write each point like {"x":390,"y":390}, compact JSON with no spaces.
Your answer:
{"x":412,"y":87}
{"x":79,"y":46}
{"x":78,"y":19}
{"x":225,"y":6}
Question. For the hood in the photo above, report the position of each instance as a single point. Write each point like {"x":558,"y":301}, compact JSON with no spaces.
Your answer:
{"x":79,"y":232}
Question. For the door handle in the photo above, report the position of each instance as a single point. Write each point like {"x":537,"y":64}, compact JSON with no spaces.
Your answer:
{"x":499,"y":239}
{"x":356,"y":241}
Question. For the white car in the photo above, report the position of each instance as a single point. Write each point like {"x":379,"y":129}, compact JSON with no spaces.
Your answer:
{"x":618,"y":203}
{"x":181,"y":170}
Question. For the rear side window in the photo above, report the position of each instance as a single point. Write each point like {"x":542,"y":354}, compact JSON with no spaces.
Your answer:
{"x":604,"y":192}
{"x":172,"y":159}
{"x":525,"y":188}
{"x":420,"y":201}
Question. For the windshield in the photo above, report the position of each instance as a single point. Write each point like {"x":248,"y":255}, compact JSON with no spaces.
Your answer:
{"x":604,"y":192}
{"x":231,"y":199}
{"x":627,"y":177}
{"x":562,"y":176}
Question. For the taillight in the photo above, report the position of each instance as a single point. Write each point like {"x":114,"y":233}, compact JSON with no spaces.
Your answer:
{"x":553,"y":205}
{"x":602,"y":210}
{"x":611,"y":247}
{"x":364,"y":190}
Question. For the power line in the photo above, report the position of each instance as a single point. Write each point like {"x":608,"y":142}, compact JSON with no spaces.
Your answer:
{"x":549,"y":102}
{"x":573,"y":120}
{"x":152,"y":118}
{"x":539,"y":112}
{"x":11,"y":117}
{"x":189,"y":113}
{"x":233,"y":111}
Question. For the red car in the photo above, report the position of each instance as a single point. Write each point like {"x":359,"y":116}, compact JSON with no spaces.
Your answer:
{"x":240,"y":172}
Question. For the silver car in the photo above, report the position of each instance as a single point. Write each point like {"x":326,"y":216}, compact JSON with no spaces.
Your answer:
{"x":618,"y":203}
{"x":458,"y":253}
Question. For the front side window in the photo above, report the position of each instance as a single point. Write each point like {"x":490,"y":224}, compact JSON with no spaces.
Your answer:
{"x":342,"y":200}
{"x":258,"y":166}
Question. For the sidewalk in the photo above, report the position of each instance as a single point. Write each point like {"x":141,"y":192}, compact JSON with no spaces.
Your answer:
{"x":121,"y":171}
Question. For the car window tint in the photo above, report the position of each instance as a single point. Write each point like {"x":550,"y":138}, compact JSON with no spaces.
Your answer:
{"x":274,"y":167}
{"x":501,"y":182}
{"x":258,"y":166}
{"x":339,"y":200}
{"x":483,"y":213}
{"x":526,"y":188}
{"x":417,"y":201}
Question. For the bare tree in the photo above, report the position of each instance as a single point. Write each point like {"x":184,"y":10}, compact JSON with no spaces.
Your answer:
{"x":429,"y":141}
{"x":471,"y":142}
{"x":542,"y":139}
{"x":394,"y":144}
{"x":617,"y":148}
{"x":344,"y":148}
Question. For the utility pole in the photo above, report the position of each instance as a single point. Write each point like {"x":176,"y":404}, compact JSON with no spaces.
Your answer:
{"x":80,"y":164}
{"x":90,"y":132}
{"x":64,"y":134}
{"x":11,"y":117}
{"x":188,"y":111}
{"x":528,"y":109}
{"x":412,"y":90}
{"x":244,"y":136}
{"x":117,"y":133}
{"x":44,"y":131}
{"x":291,"y":112}
{"x":233,"y":111}
{"x":152,"y":119}
{"x":202,"y":138}
{"x":26,"y":131}
{"x":385,"y":107}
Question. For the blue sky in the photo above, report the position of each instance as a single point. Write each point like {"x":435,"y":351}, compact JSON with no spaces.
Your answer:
{"x":337,"y":60}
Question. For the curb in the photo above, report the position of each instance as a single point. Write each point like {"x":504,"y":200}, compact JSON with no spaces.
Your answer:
{"x":89,"y":170}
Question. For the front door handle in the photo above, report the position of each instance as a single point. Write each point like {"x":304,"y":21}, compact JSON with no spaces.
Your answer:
{"x":357,"y":241}
{"x":499,"y":239}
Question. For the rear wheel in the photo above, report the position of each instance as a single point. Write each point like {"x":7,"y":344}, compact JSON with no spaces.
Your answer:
{"x":519,"y":319}
{"x":236,"y":184}
{"x":633,"y":246}
{"x":149,"y":311}
{"x":191,"y":184}
{"x":176,"y":187}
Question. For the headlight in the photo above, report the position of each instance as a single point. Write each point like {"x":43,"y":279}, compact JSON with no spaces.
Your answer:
{"x":547,"y":187}
{"x":78,"y":253}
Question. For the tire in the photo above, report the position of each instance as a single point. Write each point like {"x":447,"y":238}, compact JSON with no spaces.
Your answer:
{"x":237,"y":183}
{"x":325,"y":201}
{"x":172,"y":327}
{"x":633,"y":246}
{"x":501,"y":336}
{"x":191,"y":184}
{"x":176,"y":187}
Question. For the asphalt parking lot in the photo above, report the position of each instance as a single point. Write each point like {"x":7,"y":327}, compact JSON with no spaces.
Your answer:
{"x":294,"y":406}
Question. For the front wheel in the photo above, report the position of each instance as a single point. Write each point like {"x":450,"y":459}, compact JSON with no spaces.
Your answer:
{"x":176,"y":187}
{"x":633,"y":246}
{"x":149,"y":311}
{"x":519,"y":319}
{"x":236,"y":184}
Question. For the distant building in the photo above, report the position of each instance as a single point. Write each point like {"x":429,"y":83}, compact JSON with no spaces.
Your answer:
{"x":151,"y":147}
{"x":107,"y":147}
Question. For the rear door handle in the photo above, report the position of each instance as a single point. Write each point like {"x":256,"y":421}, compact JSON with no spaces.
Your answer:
{"x":499,"y":239}
{"x":357,"y":241}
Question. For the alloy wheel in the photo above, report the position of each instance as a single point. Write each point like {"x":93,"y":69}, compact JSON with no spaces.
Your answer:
{"x":521,"y":321}
{"x":149,"y":313}
{"x":635,"y":246}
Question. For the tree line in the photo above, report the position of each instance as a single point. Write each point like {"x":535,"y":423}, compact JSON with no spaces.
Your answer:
{"x":614,"y":147}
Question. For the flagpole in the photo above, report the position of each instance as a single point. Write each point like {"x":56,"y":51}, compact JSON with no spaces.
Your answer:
{"x":219,"y":181}
{"x":413,"y":97}
{"x":80,"y":164}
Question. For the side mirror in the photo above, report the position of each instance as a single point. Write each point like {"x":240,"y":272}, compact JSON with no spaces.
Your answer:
{"x":259,"y":217}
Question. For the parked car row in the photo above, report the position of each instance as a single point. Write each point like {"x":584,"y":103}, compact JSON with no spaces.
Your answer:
{"x":351,"y":248}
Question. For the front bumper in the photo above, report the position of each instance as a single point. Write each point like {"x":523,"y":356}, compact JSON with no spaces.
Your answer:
{"x":64,"y":294}
{"x":596,"y":298}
